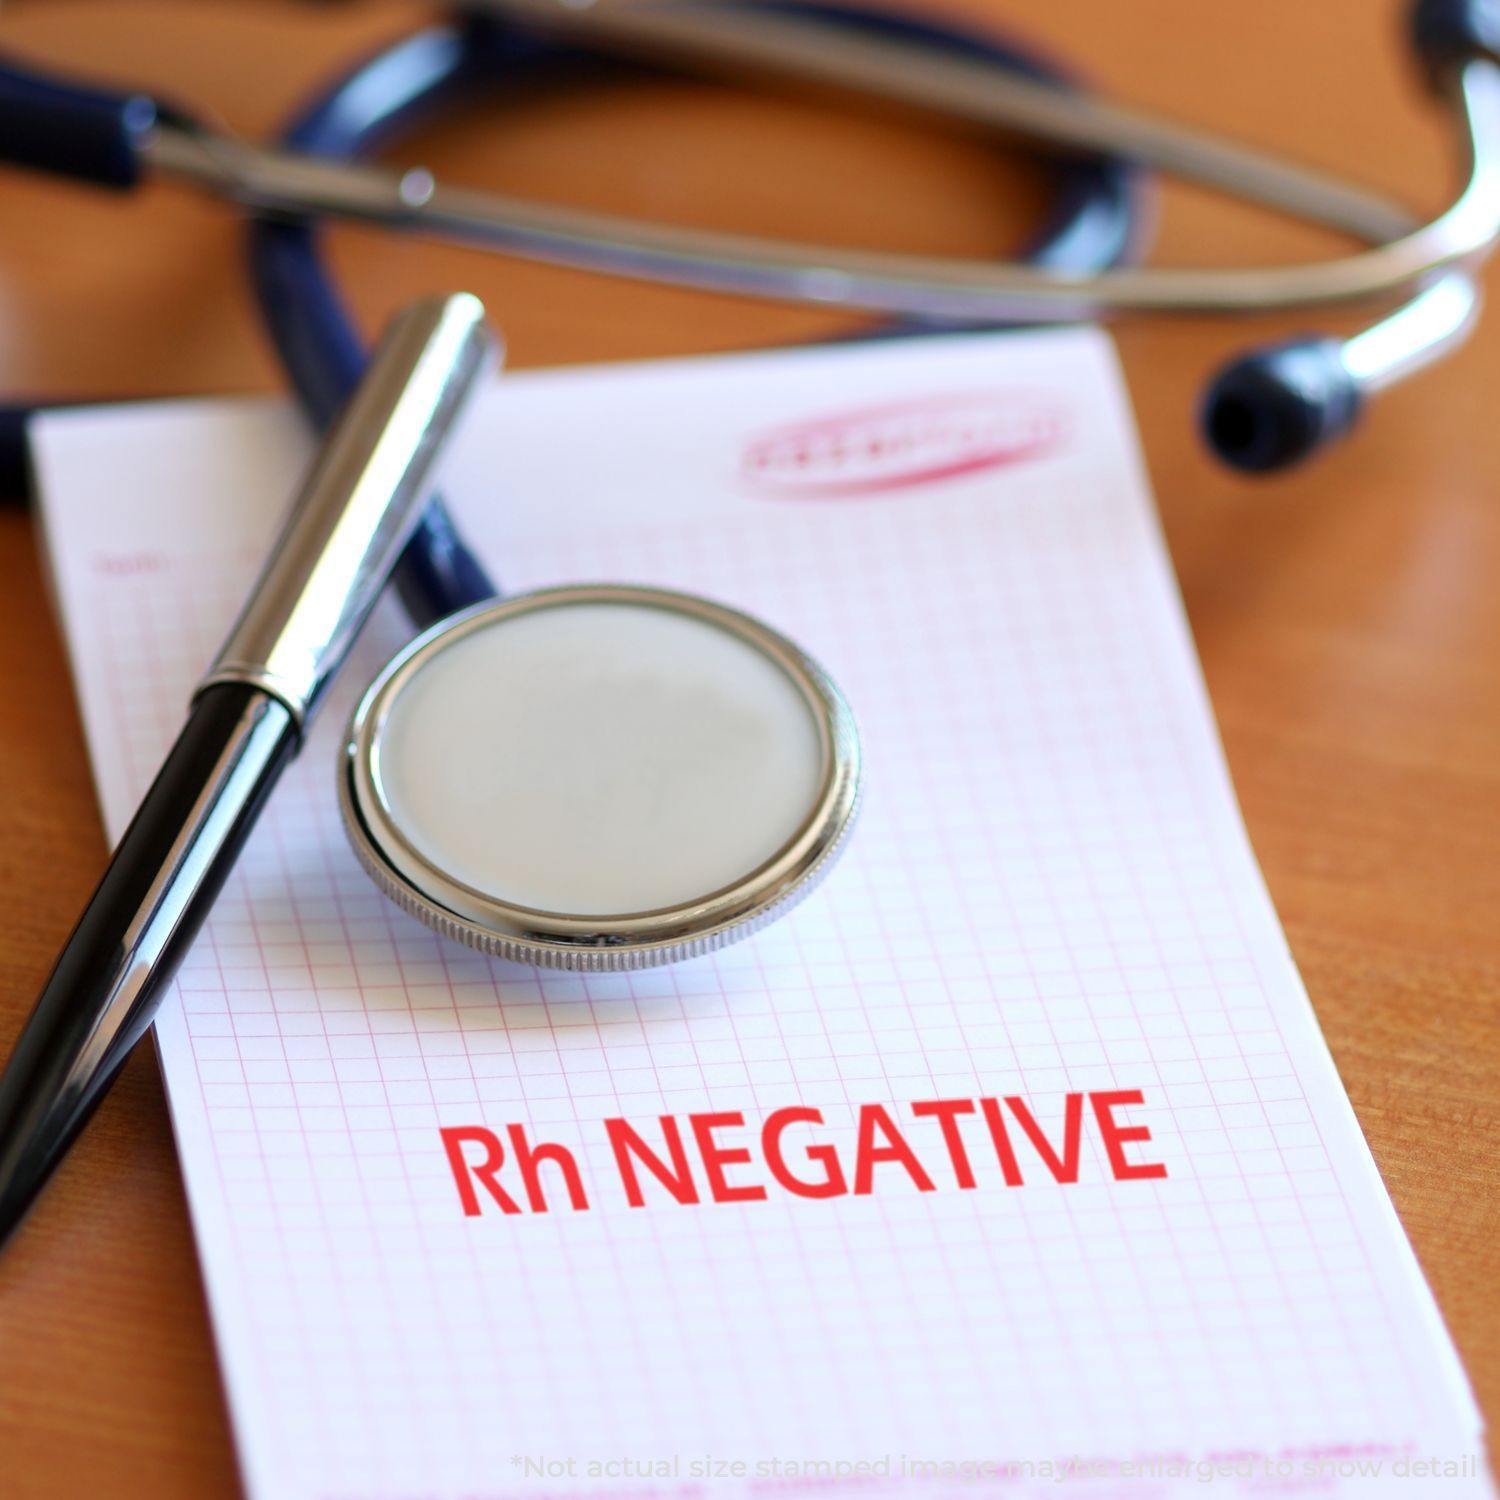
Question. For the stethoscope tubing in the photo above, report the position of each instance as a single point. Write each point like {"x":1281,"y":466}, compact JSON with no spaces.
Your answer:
{"x":1404,"y":254}
{"x":1317,"y":385}
{"x":1270,"y":407}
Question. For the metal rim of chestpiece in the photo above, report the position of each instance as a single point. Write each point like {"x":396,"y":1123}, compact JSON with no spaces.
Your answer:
{"x":630,"y":940}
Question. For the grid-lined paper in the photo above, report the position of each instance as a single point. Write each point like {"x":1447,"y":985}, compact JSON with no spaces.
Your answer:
{"x":1049,"y":892}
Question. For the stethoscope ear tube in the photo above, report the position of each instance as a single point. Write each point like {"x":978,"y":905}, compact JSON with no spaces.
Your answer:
{"x":1266,"y":410}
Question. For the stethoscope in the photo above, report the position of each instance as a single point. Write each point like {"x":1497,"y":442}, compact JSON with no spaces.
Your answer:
{"x":690,"y":684}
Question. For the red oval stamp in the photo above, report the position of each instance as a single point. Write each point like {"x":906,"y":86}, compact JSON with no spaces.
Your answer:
{"x":875,"y":450}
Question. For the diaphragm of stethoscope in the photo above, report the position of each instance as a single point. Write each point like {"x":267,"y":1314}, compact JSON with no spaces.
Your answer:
{"x":599,"y":777}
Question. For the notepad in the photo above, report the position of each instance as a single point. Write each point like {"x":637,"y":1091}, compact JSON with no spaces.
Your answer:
{"x":1011,"y":1162}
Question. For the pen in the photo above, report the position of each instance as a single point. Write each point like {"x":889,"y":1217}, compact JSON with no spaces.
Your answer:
{"x":246,"y":722}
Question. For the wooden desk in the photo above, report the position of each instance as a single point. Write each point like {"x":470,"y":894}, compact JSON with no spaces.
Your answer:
{"x":1348,"y":617}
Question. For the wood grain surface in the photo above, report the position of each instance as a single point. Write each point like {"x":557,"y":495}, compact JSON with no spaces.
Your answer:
{"x":1348,"y":617}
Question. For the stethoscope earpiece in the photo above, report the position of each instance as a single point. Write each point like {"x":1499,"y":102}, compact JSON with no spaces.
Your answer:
{"x":1275,"y":406}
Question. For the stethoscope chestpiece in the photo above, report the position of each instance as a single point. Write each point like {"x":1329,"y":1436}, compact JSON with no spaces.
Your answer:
{"x":599,"y":777}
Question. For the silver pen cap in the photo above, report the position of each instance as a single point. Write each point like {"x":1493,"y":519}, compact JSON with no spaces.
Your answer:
{"x":358,"y":505}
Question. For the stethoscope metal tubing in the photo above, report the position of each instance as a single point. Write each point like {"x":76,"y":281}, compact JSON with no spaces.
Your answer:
{"x":276,"y":182}
{"x":1417,"y":334}
{"x":1301,"y":393}
{"x":733,"y":40}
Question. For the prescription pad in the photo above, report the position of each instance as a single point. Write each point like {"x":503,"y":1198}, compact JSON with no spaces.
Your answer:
{"x":1012,"y":1162}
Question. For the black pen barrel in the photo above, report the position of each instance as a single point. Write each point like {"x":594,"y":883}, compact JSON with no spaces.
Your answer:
{"x":344,"y":530}
{"x":153,"y":898}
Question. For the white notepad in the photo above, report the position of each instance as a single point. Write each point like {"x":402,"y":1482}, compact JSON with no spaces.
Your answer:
{"x":1048,"y":912}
